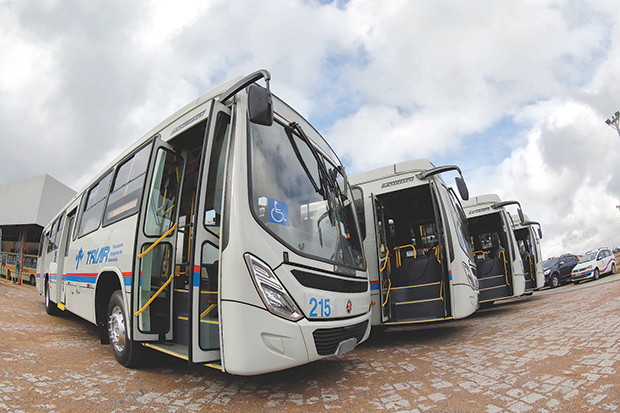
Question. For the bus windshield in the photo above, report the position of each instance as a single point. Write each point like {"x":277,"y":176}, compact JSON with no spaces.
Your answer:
{"x":298,"y":192}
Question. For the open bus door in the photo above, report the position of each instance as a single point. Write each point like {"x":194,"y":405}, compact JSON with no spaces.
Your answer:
{"x":205,"y":277}
{"x":383,"y":253}
{"x":154,"y":267}
{"x":67,"y":289}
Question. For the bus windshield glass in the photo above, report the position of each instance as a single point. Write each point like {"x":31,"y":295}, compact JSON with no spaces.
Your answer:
{"x":298,"y":192}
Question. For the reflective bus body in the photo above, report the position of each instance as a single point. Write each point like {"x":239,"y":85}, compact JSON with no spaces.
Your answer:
{"x":420,"y":263}
{"x":225,"y":236}
{"x":498,"y":262}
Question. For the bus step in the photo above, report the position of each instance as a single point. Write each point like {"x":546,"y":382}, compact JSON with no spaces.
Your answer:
{"x":175,"y":349}
{"x":430,"y":309}
{"x":215,"y":364}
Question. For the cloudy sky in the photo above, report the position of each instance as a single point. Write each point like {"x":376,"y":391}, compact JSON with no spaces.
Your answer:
{"x":514,"y":92}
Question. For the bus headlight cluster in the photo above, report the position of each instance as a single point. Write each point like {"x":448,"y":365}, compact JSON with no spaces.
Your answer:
{"x":271,"y":291}
{"x":471,"y":278}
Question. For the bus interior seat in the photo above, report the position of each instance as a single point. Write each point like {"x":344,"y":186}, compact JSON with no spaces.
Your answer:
{"x":493,"y":264}
{"x":424,"y":268}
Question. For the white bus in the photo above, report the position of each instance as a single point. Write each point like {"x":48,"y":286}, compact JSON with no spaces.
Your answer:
{"x":420,"y":262}
{"x":528,"y":241}
{"x":499,"y":265}
{"x":198,"y":241}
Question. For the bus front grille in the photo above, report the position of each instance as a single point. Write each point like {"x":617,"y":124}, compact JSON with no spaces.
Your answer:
{"x":321,"y":282}
{"x":327,"y":340}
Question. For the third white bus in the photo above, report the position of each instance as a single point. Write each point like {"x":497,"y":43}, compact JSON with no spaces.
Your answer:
{"x":498,"y":262}
{"x":528,"y":235}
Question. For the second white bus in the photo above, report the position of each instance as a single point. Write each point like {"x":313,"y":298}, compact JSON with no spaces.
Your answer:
{"x":420,"y":262}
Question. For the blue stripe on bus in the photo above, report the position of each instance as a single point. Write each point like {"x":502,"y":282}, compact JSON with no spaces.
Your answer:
{"x":450,"y":275}
{"x":374,"y":285}
{"x":91,"y":278}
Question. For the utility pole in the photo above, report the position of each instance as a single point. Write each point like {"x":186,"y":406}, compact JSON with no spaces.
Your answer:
{"x":614,"y":122}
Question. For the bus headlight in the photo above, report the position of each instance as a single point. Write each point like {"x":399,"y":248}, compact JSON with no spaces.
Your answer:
{"x":471,"y":278}
{"x":273,"y":294}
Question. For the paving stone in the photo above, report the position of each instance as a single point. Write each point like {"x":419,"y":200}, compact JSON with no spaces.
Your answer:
{"x":554,"y":351}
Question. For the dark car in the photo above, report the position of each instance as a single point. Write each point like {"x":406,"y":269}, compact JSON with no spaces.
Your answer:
{"x":558,"y":269}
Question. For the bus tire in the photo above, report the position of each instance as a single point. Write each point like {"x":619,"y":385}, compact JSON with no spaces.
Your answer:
{"x":127,"y":352}
{"x":50,"y":306}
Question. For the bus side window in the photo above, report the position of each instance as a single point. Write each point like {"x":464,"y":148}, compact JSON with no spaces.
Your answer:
{"x":215,"y":178}
{"x":91,"y":216}
{"x":53,"y":235}
{"x":127,"y":187}
{"x":49,"y":235}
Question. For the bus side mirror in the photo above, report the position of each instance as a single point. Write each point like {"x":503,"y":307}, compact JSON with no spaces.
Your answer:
{"x":260,"y":105}
{"x":521,"y":217}
{"x":539,"y":233}
{"x":462,"y":187}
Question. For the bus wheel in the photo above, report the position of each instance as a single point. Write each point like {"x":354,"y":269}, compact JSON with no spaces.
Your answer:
{"x":127,"y":352}
{"x":50,"y":306}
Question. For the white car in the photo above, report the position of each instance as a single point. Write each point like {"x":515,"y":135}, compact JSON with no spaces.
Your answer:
{"x":593,"y":264}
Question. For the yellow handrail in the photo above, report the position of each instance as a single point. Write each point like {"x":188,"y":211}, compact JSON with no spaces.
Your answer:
{"x":532,"y":267}
{"x":146,"y":251}
{"x":484,"y":253}
{"x":207,"y":311}
{"x":505,"y":268}
{"x":154,"y":295}
{"x":388,"y":293}
{"x":387,"y":258}
{"x":399,"y":261}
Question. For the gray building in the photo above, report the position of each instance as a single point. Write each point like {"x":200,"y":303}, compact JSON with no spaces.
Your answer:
{"x":26,"y":206}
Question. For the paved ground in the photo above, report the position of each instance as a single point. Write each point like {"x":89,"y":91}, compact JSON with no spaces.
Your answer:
{"x":555,"y":351}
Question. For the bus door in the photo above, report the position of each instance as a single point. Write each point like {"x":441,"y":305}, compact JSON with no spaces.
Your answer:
{"x":58,"y":286}
{"x":383,"y":253}
{"x":205,"y":277}
{"x":154,"y":266}
{"x":64,"y":264}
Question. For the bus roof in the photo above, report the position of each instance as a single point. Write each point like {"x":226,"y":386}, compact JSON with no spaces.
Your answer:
{"x":480,"y":205}
{"x":389,"y":171}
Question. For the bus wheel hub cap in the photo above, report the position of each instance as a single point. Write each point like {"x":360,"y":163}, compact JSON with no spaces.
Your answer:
{"x":117,"y":329}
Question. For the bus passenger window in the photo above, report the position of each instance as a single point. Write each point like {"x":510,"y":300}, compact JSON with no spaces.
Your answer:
{"x":127,"y":187}
{"x":91,"y":217}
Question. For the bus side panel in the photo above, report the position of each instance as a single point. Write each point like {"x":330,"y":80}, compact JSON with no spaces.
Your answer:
{"x":464,"y":299}
{"x":107,"y":249}
{"x":251,"y":347}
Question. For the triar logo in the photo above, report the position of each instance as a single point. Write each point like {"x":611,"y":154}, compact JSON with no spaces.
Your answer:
{"x":78,"y":258}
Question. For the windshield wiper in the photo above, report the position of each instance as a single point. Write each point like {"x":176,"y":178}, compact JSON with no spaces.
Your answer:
{"x":327,"y":177}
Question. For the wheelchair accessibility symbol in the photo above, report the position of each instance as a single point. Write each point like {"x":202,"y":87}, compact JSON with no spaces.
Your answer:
{"x":278,"y":212}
